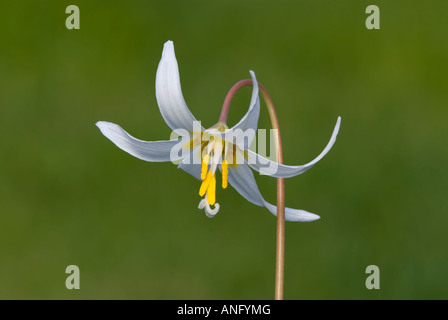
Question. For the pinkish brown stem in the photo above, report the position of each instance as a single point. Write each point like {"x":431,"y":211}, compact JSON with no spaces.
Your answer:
{"x":280,"y":248}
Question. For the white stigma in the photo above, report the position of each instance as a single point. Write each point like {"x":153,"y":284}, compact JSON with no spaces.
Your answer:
{"x":209,"y":212}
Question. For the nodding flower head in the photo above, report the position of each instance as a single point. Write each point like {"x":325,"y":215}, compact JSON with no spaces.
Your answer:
{"x":218,"y":147}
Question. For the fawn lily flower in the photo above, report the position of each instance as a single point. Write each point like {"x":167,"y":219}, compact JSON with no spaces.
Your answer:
{"x":206,"y":150}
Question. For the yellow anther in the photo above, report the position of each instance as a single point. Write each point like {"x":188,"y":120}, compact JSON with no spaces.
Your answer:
{"x":211,"y":191}
{"x":225,"y":173}
{"x":204,"y":168}
{"x":205,"y":184}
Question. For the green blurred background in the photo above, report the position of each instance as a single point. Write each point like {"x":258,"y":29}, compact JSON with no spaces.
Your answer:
{"x":69,"y":196}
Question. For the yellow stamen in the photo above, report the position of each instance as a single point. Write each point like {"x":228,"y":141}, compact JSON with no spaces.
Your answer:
{"x":205,"y":184}
{"x":205,"y":161}
{"x":211,"y":191}
{"x":225,"y":173}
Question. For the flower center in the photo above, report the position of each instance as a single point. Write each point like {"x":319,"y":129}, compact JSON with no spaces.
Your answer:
{"x":213,"y":153}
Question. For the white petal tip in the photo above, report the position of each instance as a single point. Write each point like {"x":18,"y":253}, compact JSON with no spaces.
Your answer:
{"x":168,"y":44}
{"x":302,"y":216}
{"x":168,"y":51}
{"x":104,"y":126}
{"x":254,"y":78}
{"x":336,"y":127}
{"x":296,"y":215}
{"x":111,"y":131}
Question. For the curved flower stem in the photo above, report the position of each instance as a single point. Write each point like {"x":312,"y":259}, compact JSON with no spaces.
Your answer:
{"x":280,"y":248}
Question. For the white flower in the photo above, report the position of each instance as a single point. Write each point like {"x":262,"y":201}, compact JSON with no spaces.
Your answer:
{"x":206,"y":150}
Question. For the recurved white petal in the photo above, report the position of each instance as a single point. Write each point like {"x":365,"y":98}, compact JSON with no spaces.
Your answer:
{"x":250,"y":119}
{"x":153,"y":151}
{"x":242,"y":179}
{"x":244,"y":131}
{"x":274,"y":169}
{"x":169,"y":93}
